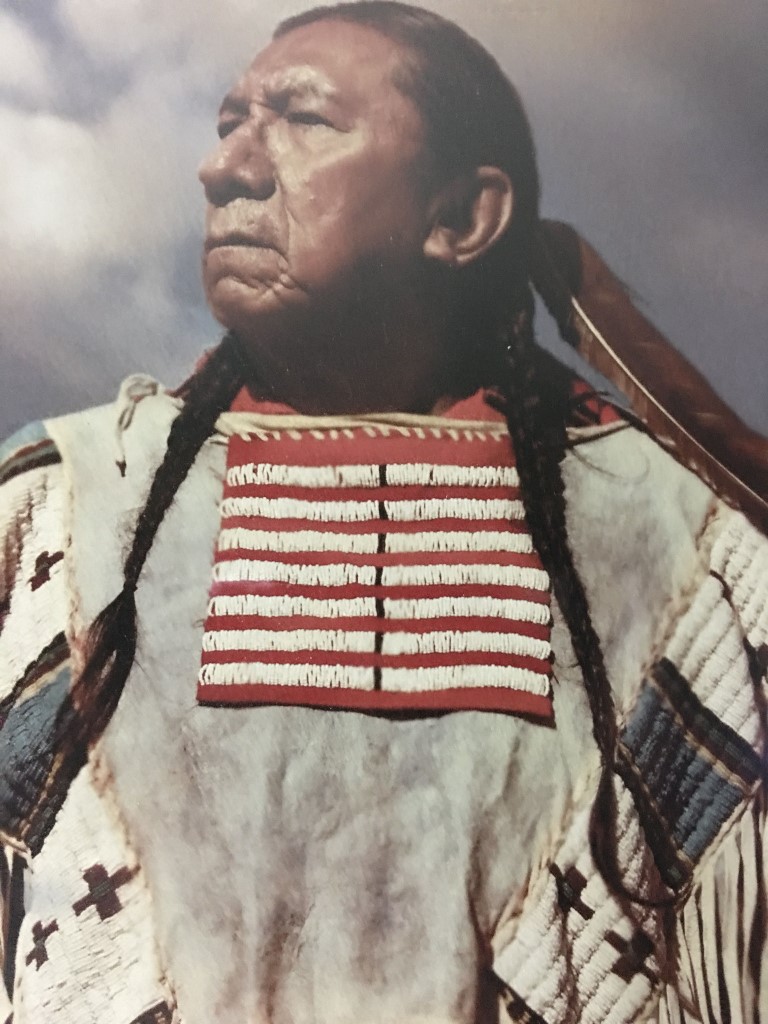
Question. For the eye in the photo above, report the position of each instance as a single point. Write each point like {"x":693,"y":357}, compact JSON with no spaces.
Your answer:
{"x":308,"y":118}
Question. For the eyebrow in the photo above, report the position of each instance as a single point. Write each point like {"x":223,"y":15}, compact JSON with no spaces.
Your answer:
{"x":298,"y":83}
{"x":234,"y":105}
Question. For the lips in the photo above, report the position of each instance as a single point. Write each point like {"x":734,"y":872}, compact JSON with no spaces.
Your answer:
{"x":216,"y":240}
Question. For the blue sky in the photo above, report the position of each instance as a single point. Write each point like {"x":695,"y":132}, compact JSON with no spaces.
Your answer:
{"x":651,"y":123}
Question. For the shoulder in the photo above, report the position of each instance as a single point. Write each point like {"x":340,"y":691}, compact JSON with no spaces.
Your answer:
{"x":635,"y":520}
{"x":60,"y":487}
{"x":32,"y":541}
{"x":87,"y":447}
{"x":626,"y":464}
{"x":29,"y":453}
{"x":27,"y":450}
{"x":45,"y":469}
{"x":30,"y":491}
{"x":142,"y":406}
{"x":37,"y":461}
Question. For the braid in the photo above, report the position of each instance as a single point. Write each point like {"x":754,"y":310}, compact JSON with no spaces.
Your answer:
{"x":111,"y":641}
{"x":536,"y":408}
{"x":206,"y":395}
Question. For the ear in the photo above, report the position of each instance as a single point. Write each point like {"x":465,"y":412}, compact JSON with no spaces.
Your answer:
{"x":469,"y":215}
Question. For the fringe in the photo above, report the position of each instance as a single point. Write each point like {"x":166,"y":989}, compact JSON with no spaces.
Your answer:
{"x":721,"y":934}
{"x":11,"y":913}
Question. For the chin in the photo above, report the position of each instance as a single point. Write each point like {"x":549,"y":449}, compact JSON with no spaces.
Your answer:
{"x":234,"y":302}
{"x":254,"y":312}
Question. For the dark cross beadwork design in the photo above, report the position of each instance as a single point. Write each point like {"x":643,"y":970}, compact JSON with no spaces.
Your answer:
{"x":633,"y":955}
{"x":518,"y":1010}
{"x":159,"y":1014}
{"x":40,"y":933}
{"x":757,"y":658}
{"x":102,"y":890}
{"x":43,"y":565}
{"x":570,"y":886}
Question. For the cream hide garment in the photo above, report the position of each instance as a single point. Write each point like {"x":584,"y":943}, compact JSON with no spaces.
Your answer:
{"x":287,"y":864}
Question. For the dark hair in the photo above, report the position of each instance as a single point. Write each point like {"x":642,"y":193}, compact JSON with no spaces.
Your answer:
{"x":472,"y":115}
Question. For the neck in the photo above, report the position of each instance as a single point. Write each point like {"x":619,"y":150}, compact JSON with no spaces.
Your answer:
{"x":376,"y":361}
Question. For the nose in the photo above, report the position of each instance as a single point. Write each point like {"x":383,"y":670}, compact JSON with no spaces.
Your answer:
{"x":238,"y":167}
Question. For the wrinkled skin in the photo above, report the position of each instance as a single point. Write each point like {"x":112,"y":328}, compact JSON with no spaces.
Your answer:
{"x":317,"y":216}
{"x":314,"y":172}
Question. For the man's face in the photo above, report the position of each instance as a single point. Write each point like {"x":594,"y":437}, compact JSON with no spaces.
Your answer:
{"x":315,"y":179}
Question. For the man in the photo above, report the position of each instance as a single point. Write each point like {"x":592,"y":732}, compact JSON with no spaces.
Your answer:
{"x":372,"y":809}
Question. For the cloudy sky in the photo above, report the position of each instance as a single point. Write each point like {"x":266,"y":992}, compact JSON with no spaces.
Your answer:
{"x":652,"y":126}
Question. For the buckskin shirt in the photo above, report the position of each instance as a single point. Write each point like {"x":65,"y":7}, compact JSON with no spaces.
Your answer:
{"x":347,"y":780}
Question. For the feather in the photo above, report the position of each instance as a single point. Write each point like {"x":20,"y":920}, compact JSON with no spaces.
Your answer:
{"x":669,"y":397}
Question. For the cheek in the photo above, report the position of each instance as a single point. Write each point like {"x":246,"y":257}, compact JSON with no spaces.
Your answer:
{"x":363,"y":205}
{"x":338,"y":177}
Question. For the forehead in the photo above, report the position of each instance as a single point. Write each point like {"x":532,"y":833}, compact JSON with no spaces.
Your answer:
{"x":350,"y":64}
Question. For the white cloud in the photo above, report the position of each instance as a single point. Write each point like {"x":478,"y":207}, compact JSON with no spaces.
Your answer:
{"x":213,"y":36}
{"x":54,"y":201}
{"x":120,"y":30}
{"x":76,"y":196}
{"x":122,"y":189}
{"x":23,"y":61}
{"x":94,"y":213}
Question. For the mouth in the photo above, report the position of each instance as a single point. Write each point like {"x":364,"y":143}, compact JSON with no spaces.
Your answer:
{"x":236,"y":238}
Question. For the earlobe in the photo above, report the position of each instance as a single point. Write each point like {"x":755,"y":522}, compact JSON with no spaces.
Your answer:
{"x":469,"y":216}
